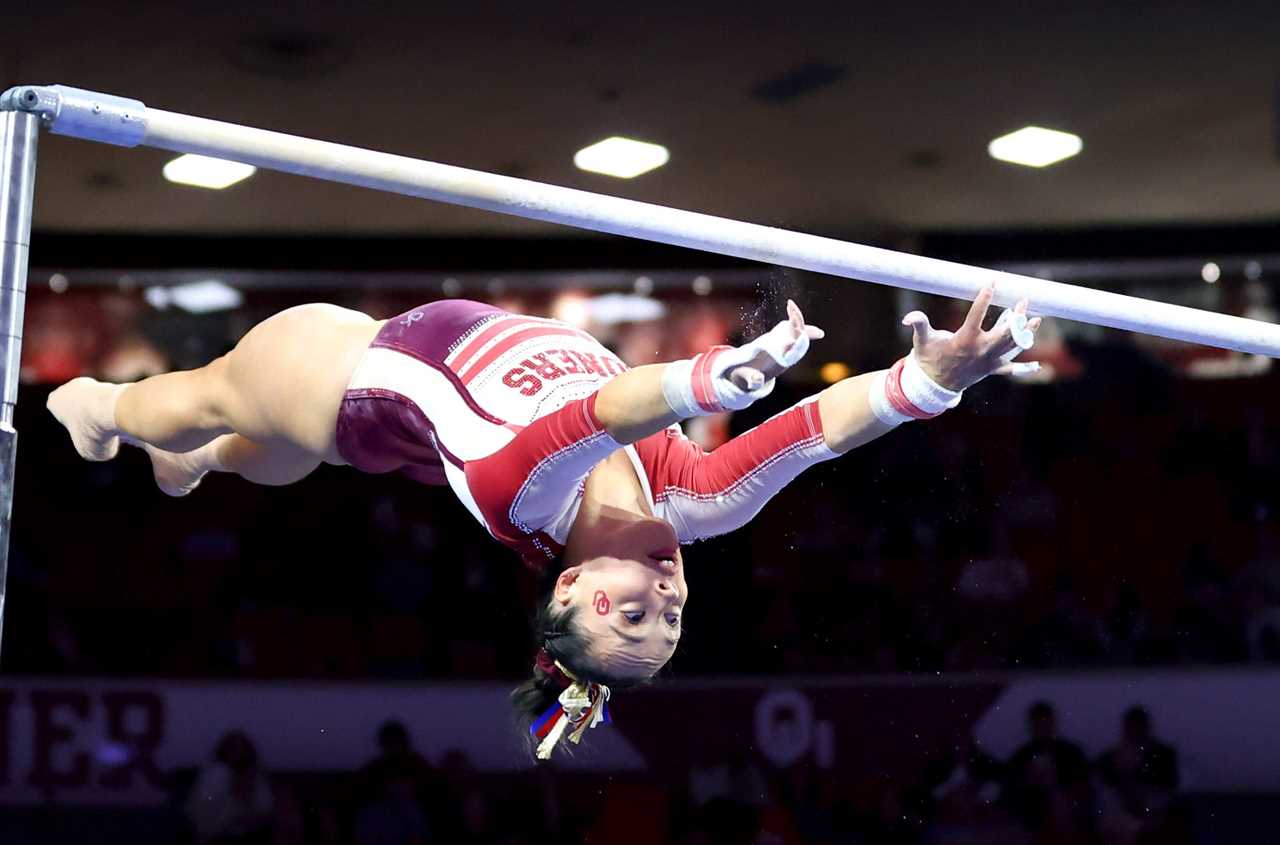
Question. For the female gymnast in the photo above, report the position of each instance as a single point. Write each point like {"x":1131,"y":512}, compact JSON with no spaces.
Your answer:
{"x":563,"y":453}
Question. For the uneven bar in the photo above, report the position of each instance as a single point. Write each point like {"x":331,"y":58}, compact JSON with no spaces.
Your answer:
{"x":126,"y":122}
{"x":18,"y":135}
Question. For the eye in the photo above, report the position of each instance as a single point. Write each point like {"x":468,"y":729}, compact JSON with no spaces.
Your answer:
{"x":633,"y":617}
{"x":673,"y":619}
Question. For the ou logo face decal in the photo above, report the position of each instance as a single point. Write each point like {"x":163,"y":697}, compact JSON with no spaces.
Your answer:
{"x":602,"y":603}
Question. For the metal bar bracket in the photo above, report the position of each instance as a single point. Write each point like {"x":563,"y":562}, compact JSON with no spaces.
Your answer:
{"x":80,"y":113}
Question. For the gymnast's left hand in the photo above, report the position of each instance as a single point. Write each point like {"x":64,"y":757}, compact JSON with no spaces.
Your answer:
{"x":964,"y":357}
{"x":774,"y":352}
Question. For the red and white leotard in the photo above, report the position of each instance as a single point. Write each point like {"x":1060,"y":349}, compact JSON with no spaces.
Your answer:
{"x":502,"y":408}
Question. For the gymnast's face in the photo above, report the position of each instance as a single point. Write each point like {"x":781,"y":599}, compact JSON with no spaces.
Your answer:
{"x":630,"y":595}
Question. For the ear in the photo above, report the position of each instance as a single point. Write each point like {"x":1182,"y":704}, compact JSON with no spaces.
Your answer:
{"x":564,"y":584}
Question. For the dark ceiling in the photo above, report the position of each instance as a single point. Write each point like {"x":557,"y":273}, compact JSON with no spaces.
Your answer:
{"x":839,"y":118}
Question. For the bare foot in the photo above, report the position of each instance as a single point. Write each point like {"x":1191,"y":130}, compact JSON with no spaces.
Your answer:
{"x":87,"y":409}
{"x":177,"y":473}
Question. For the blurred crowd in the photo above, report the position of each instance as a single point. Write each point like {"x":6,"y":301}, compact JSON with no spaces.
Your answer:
{"x":1047,"y":791}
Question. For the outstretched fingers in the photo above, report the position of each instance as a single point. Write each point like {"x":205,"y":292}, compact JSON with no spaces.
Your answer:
{"x":1012,"y":339}
{"x":1007,"y":335}
{"x":798,"y":325}
{"x":978,"y":310}
{"x":1018,"y":368}
{"x":921,"y":330}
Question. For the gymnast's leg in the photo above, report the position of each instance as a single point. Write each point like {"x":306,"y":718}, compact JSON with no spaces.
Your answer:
{"x":267,"y":410}
{"x":178,"y":473}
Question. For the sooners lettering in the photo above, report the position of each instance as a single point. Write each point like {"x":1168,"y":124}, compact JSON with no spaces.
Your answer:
{"x":527,"y":383}
{"x":543,"y":367}
{"x":570,"y":365}
{"x":533,"y":371}
{"x":590,"y":363}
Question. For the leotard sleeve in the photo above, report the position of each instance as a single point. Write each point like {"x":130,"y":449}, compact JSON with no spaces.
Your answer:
{"x":704,"y":494}
{"x":528,"y":490}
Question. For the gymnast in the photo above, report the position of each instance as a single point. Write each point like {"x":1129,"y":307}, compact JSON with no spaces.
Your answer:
{"x":559,"y":450}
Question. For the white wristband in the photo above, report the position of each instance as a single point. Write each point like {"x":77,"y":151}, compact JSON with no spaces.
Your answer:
{"x":905,"y":392}
{"x":677,"y":389}
{"x":880,"y":402}
{"x":925,"y":393}
{"x":700,"y":386}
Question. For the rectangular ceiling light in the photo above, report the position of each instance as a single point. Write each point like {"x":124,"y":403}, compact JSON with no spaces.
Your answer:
{"x":621,"y":157}
{"x":1035,"y":146}
{"x":206,"y":172}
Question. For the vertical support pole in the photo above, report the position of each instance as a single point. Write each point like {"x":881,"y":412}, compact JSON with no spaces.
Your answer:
{"x":18,"y":134}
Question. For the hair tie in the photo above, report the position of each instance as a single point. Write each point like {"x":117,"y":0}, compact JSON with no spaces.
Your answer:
{"x":552,"y":668}
{"x":580,"y":705}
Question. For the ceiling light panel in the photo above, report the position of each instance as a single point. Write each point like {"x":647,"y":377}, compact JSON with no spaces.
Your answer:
{"x":621,"y":157}
{"x":206,"y":172}
{"x":1035,"y":146}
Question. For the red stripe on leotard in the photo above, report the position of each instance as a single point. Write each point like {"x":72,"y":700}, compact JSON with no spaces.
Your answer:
{"x":473,"y":346}
{"x":506,"y":344}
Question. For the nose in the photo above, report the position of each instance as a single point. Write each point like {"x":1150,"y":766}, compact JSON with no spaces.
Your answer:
{"x":664,"y":586}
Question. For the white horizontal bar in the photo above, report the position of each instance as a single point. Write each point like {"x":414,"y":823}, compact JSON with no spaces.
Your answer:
{"x":523,"y":198}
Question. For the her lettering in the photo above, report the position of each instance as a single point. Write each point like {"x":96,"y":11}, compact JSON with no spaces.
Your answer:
{"x":534,"y":371}
{"x":527,"y":383}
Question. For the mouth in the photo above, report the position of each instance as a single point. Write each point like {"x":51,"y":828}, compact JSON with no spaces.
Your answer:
{"x":665,"y":559}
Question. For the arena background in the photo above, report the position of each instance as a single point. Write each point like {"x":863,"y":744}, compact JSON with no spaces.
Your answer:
{"x":859,"y":662}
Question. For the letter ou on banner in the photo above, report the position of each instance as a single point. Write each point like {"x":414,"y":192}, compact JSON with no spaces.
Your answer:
{"x":785,"y":730}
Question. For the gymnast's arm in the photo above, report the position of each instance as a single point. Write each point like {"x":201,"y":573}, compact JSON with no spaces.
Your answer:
{"x":847,"y":419}
{"x":856,"y":410}
{"x":648,"y":399}
{"x":705,"y":494}
{"x":631,"y":407}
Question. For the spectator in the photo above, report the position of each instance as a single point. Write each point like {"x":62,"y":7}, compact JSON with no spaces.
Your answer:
{"x":738,"y":778}
{"x":1048,"y":777}
{"x":1257,"y":593}
{"x":1206,"y":627}
{"x":395,"y":816}
{"x":724,"y":797}
{"x":997,"y":575}
{"x":1125,"y":625}
{"x":232,"y":801}
{"x":896,"y":819}
{"x":964,"y":782}
{"x":396,"y":754}
{"x":1139,"y":777}
{"x":1070,"y":634}
{"x":462,"y":811}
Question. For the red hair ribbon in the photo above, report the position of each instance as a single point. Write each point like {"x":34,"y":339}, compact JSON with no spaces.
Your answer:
{"x":547,"y":664}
